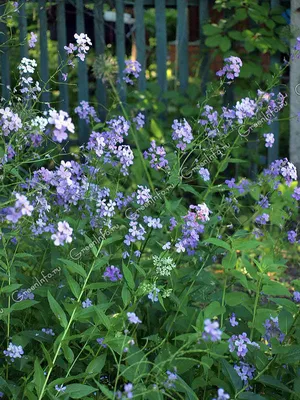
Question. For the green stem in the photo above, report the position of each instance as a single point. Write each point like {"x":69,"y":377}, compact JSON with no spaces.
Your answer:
{"x":69,"y":325}
{"x":255,"y":307}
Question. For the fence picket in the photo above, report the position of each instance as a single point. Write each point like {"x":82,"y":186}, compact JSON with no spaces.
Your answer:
{"x":161,"y":43}
{"x":44,"y":64}
{"x":99,"y":50}
{"x":204,"y":67}
{"x":22,"y":20}
{"x":120,"y":45}
{"x":182,"y":44}
{"x":140,"y":41}
{"x":62,"y":41}
{"x":4,"y":54}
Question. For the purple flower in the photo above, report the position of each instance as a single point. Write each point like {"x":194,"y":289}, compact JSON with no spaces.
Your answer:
{"x":264,"y":202}
{"x":83,"y":44}
{"x":222,"y":395}
{"x":87,"y":303}
{"x":153,"y":222}
{"x":60,"y":388}
{"x":269,"y":139}
{"x":22,"y":207}
{"x":63,"y":234}
{"x":135,"y":232}
{"x":24,"y":294}
{"x":48,"y":331}
{"x":211,"y":331}
{"x":262,"y":219}
{"x":239,"y":343}
{"x":157,"y":156}
{"x":100,"y":342}
{"x":139,"y":121}
{"x":182,"y":132}
{"x":296,"y":194}
{"x":143,"y":195}
{"x":13,"y":351}
{"x":128,"y":387}
{"x":33,"y":39}
{"x":170,"y":382}
{"x":296,"y":297}
{"x":204,"y":173}
{"x":245,"y":371}
{"x":230,"y":183}
{"x":232,"y":320}
{"x":133,"y":68}
{"x":9,"y":122}
{"x":153,"y":296}
{"x":132,"y":318}
{"x":173,"y":223}
{"x":292,"y":236}
{"x":62,"y":125}
{"x":167,"y":246}
{"x":112,"y":273}
{"x":282,"y":168}
{"x":86,"y":112}
{"x":231,"y":68}
{"x":272,"y":330}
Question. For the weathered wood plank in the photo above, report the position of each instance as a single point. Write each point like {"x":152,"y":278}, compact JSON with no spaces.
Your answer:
{"x":44,"y":63}
{"x":83,"y":90}
{"x":204,"y":67}
{"x":4,"y":55}
{"x":120,"y":46}
{"x":182,"y":44}
{"x":161,"y":43}
{"x":140,"y":41}
{"x":62,"y":41}
{"x":22,"y":19}
{"x":100,"y":49}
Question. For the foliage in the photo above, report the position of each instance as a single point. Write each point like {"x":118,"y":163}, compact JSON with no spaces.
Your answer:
{"x":134,"y":269}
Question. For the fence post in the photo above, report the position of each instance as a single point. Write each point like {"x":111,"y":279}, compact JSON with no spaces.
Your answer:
{"x":44,"y":69}
{"x":273,"y":152}
{"x":140,"y":40}
{"x":120,"y":46}
{"x":23,"y":29}
{"x":204,"y":67}
{"x":161,"y":43}
{"x":100,"y":49}
{"x":62,"y":41}
{"x":83,"y":92}
{"x":5,"y":71}
{"x":182,"y":44}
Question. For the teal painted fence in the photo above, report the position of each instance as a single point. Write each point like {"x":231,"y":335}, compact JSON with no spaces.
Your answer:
{"x":182,"y":36}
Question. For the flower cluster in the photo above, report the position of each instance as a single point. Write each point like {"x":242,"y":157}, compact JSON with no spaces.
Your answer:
{"x":13,"y":351}
{"x":63,"y":234}
{"x":22,"y":207}
{"x":127,"y":392}
{"x":156,"y":154}
{"x":28,"y":87}
{"x":86,"y":112}
{"x":269,"y":139}
{"x":62,"y":125}
{"x":222,"y":395}
{"x":273,"y":330}
{"x":182,"y":133}
{"x":282,"y":168}
{"x":231,"y":68}
{"x":245,"y":371}
{"x":83,"y":45}
{"x":211,"y":331}
{"x":33,"y":39}
{"x":239,"y":343}
{"x":164,"y":266}
{"x":10,"y":122}
{"x":112,"y":273}
{"x":133,"y":68}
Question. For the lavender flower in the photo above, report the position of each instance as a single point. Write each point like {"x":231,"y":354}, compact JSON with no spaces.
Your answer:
{"x":13,"y":351}
{"x":245,"y":371}
{"x":264,"y":202}
{"x":100,"y":342}
{"x":86,"y":112}
{"x":153,"y":296}
{"x":211,"y":331}
{"x":166,"y":246}
{"x":63,"y":234}
{"x":222,"y":395}
{"x":204,"y":173}
{"x":143,"y":195}
{"x":296,"y":297}
{"x":270,"y":139}
{"x":48,"y":331}
{"x":61,"y":388}
{"x":171,"y":379}
{"x":231,"y":68}
{"x":9,"y":121}
{"x":239,"y":343}
{"x":182,"y":132}
{"x":133,"y":318}
{"x":33,"y":39}
{"x":282,"y":168}
{"x":292,"y":236}
{"x":232,"y":320}
{"x":272,"y":330}
{"x":139,"y":121}
{"x":153,"y":222}
{"x":135,"y":232}
{"x":22,"y":207}
{"x":133,"y":68}
{"x":262,"y":219}
{"x":24,"y":294}
{"x":156,"y":154}
{"x":62,"y":125}
{"x":83,"y":44}
{"x":112,"y":273}
{"x":296,"y":194}
{"x":173,"y":223}
{"x":87,"y":303}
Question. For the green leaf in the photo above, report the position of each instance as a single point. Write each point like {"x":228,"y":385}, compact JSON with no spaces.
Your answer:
{"x":73,"y":285}
{"x":275,"y":289}
{"x":218,"y":243}
{"x":236,"y":298}
{"x":96,"y":365}
{"x":76,"y":390}
{"x":22,"y":305}
{"x":57,"y":311}
{"x":103,"y":319}
{"x":229,"y":261}
{"x":128,"y":276}
{"x":225,"y":44}
{"x":232,"y":375}
{"x":73,"y":267}
{"x":213,"y":310}
{"x":211,"y":29}
{"x":10,"y":288}
{"x":240,"y":14}
{"x":251,"y":396}
{"x":39,"y":377}
{"x":68,"y":353}
{"x":270,"y":381}
{"x":213,"y":41}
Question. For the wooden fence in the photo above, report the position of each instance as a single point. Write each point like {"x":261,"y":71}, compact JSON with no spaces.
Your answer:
{"x":99,"y":44}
